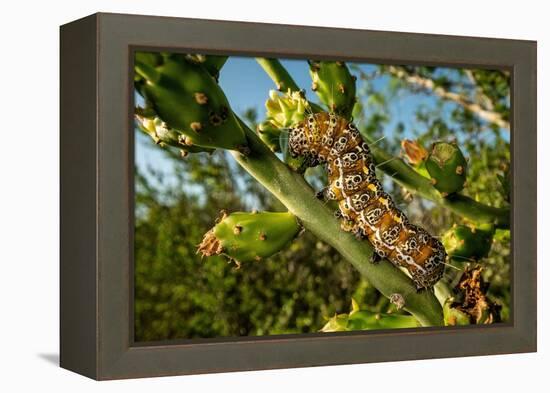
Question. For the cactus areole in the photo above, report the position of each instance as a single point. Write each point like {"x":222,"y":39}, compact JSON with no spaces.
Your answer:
{"x":366,"y":210}
{"x":248,"y":237}
{"x":447,"y":167}
{"x":185,"y":96}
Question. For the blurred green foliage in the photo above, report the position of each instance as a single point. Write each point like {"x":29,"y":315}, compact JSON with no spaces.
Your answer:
{"x":178,"y":295}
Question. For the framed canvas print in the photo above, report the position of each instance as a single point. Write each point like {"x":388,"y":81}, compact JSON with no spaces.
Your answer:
{"x":240,"y":196}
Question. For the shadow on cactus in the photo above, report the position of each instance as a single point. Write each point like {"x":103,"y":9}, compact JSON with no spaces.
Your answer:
{"x":337,"y":180}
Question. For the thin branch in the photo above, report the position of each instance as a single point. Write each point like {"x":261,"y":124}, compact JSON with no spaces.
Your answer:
{"x":484,"y":113}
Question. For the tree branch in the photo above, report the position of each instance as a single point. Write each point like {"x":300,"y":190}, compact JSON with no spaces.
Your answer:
{"x":486,"y":114}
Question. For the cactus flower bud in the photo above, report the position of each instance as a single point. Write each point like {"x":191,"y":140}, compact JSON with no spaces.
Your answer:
{"x":414,"y":152}
{"x":465,"y":243}
{"x":334,"y":85}
{"x":245,"y":237}
{"x":286,"y":110}
{"x":447,"y":167}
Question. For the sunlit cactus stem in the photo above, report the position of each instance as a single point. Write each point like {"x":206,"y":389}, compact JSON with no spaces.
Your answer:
{"x":334,"y":85}
{"x":186,"y":97}
{"x":367,"y":320}
{"x":447,"y":167}
{"x":248,"y":237}
{"x":212,"y":63}
{"x":278,"y":73}
{"x":164,"y":136}
{"x":468,"y":243}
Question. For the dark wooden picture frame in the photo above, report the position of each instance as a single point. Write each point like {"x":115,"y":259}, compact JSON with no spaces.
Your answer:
{"x":97,"y":196}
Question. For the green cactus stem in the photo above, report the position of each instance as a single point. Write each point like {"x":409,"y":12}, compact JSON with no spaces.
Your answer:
{"x":414,"y":182}
{"x":366,"y":320}
{"x":247,"y":237}
{"x":471,"y":304}
{"x":334,"y":85}
{"x":212,"y":63}
{"x":187,"y":98}
{"x":278,"y":73}
{"x":447,"y":167}
{"x":164,"y":136}
{"x":318,"y":218}
{"x":467,"y":243}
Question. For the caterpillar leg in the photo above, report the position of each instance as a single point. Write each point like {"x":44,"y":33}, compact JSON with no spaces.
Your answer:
{"x":321,"y":194}
{"x":347,"y":225}
{"x":375,"y":258}
{"x":359,"y":234}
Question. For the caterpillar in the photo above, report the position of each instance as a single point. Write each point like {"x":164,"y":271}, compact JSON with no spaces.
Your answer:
{"x":364,"y":207}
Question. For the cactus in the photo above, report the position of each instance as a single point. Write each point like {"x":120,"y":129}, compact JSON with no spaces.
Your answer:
{"x":285,"y":110}
{"x":164,"y":136}
{"x":471,"y":304}
{"x":187,"y":98}
{"x":167,"y":81}
{"x":334,"y":85}
{"x":269,"y":134}
{"x":247,"y":237}
{"x":211,"y":63}
{"x":466,"y":243}
{"x":366,"y":320}
{"x":447,"y":167}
